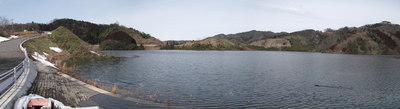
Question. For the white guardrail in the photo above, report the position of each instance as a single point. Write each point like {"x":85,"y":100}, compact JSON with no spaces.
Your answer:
{"x":9,"y":79}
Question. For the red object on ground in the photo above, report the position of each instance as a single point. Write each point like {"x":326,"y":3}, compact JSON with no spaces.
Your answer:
{"x":38,"y":102}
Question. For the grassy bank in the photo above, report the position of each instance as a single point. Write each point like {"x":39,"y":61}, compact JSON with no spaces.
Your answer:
{"x":74,"y":50}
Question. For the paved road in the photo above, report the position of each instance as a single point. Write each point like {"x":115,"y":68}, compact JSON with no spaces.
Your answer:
{"x":10,"y":54}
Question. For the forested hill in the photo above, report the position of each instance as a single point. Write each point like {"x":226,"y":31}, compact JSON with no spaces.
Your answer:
{"x":379,"y":38}
{"x":87,"y":31}
{"x":108,"y":36}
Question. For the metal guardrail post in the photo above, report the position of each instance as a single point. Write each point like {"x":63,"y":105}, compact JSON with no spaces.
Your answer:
{"x":24,"y":65}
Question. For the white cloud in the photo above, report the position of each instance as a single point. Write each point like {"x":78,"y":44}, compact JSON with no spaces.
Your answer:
{"x":283,"y":8}
{"x":291,"y":8}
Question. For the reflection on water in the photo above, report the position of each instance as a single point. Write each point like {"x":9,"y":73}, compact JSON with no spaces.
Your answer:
{"x":246,"y":79}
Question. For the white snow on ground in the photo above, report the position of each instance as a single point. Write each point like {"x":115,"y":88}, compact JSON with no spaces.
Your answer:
{"x":13,"y":37}
{"x":56,"y":49}
{"x":95,"y":53}
{"x":3,"y":39}
{"x":47,"y":32}
{"x":42,"y":59}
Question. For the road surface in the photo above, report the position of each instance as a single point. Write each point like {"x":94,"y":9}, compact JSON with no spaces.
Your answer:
{"x":10,"y":54}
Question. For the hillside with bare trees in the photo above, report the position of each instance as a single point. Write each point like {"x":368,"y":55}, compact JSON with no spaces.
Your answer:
{"x":379,"y":38}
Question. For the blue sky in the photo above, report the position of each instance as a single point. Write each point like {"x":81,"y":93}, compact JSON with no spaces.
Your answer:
{"x":197,"y":19}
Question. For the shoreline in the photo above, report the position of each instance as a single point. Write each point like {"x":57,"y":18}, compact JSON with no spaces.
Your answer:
{"x":61,"y":85}
{"x":75,"y":92}
{"x":103,"y":91}
{"x":395,"y":56}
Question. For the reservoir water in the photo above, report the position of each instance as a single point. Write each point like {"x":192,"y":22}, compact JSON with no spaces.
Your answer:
{"x":251,"y":79}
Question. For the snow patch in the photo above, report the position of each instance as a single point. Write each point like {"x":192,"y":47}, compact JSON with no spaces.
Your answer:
{"x":2,"y":39}
{"x":13,"y":37}
{"x":56,"y":49}
{"x":95,"y":53}
{"x":47,"y":32}
{"x":42,"y":59}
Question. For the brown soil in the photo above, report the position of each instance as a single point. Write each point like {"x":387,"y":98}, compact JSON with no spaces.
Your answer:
{"x":275,"y":42}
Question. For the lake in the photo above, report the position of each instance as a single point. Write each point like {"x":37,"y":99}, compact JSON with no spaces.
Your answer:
{"x":251,"y":79}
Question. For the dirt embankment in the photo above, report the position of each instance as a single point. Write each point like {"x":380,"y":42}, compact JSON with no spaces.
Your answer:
{"x":150,"y":43}
{"x":212,"y":41}
{"x":273,"y":42}
{"x":27,"y":34}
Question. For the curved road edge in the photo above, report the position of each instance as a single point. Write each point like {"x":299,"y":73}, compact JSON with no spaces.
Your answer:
{"x":24,"y":82}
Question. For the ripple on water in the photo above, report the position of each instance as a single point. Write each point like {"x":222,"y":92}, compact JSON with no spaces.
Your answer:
{"x":242,"y":79}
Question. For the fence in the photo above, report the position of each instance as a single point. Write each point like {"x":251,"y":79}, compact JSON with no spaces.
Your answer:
{"x":9,"y":79}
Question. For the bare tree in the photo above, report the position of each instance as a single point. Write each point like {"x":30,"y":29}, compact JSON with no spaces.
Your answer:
{"x":328,"y":30}
{"x":4,"y":21}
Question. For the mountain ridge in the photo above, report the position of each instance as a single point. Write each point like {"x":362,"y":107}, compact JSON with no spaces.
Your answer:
{"x":378,"y":38}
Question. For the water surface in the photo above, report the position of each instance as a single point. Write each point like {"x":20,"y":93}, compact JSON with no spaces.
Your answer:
{"x":252,"y":79}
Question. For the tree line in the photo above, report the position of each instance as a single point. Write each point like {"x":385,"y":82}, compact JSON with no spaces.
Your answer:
{"x":87,"y":31}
